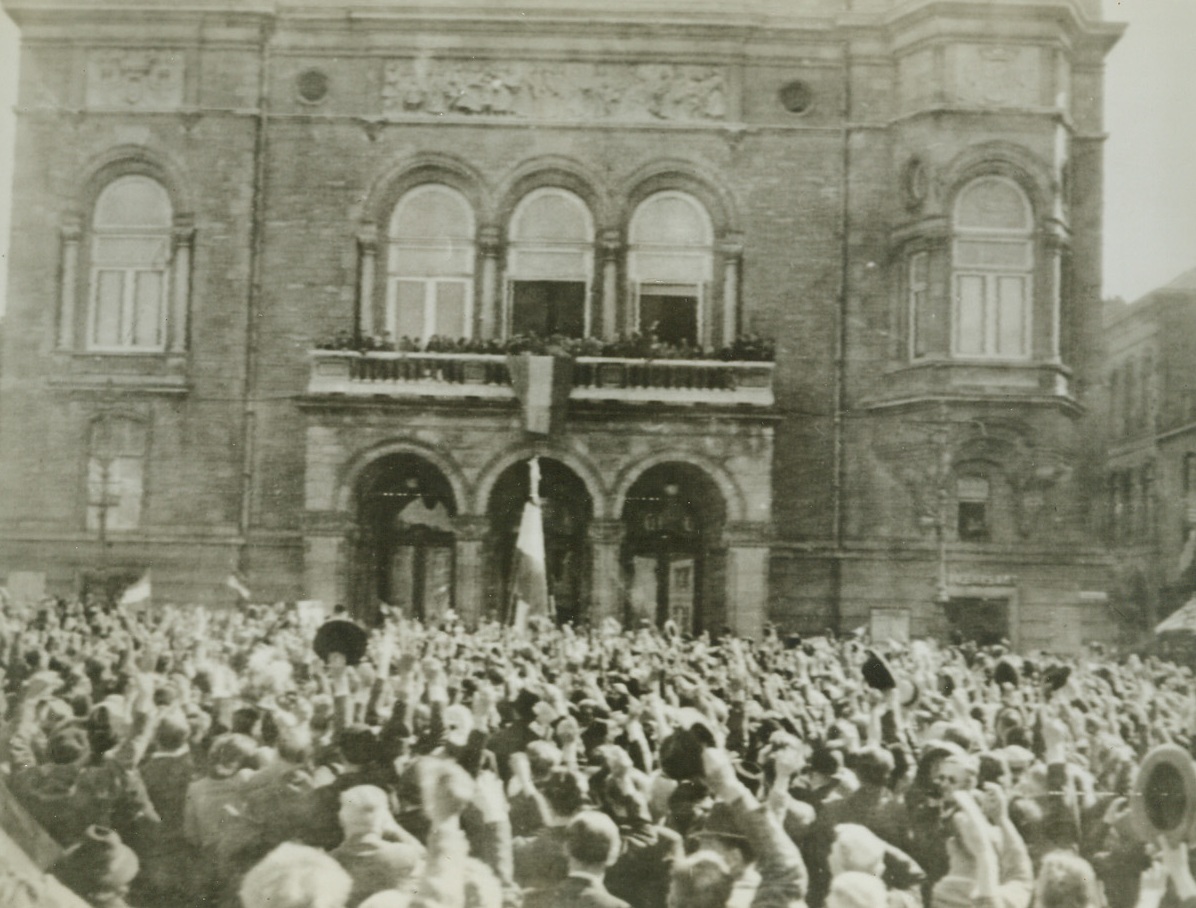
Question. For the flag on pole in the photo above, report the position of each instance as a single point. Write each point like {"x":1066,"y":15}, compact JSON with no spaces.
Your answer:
{"x":139,"y":592}
{"x":235,"y":584}
{"x":530,"y":590}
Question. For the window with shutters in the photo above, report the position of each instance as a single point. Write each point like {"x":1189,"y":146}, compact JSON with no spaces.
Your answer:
{"x":670,"y":264}
{"x":430,"y":267}
{"x":992,"y":262}
{"x":130,"y":267}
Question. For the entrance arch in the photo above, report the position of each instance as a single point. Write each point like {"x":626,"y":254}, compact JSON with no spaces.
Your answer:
{"x":567,"y":511}
{"x":673,"y":562}
{"x":405,"y":511}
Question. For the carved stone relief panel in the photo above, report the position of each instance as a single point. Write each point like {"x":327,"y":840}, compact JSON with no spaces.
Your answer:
{"x":998,"y":75}
{"x":554,"y":91}
{"x":135,"y":79}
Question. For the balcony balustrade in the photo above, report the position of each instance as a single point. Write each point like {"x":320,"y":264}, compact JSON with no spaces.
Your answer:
{"x":480,"y":375}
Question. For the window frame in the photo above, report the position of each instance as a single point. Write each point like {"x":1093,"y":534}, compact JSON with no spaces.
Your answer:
{"x":395,"y":273}
{"x":132,"y":450}
{"x":991,"y":277}
{"x":638,"y":279}
{"x":518,"y":248}
{"x":129,"y":273}
{"x":913,"y":303}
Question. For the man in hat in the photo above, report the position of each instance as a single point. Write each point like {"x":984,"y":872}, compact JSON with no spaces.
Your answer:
{"x":744,"y":855}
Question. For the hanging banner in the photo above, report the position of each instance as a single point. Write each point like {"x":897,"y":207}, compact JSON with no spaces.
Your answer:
{"x":542,"y":384}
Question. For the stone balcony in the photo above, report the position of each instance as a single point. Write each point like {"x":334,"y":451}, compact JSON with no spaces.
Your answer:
{"x":466,"y":376}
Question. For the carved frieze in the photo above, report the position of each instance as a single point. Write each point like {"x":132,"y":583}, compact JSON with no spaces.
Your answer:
{"x":554,"y":91}
{"x":135,"y":79}
{"x":998,"y":75}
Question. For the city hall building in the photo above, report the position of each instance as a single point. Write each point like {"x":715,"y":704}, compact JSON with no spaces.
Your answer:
{"x":275,"y":265}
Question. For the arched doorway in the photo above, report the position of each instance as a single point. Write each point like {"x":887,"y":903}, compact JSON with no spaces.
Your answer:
{"x":567,"y":509}
{"x":673,"y":563}
{"x":405,"y":511}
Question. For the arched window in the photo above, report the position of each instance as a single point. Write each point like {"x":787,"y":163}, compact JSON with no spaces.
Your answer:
{"x":430,"y":270}
{"x":992,"y":261}
{"x":115,"y":474}
{"x":670,"y":264}
{"x":550,"y":265}
{"x":130,"y":267}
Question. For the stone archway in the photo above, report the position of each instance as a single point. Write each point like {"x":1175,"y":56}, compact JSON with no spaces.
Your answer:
{"x":568,"y":510}
{"x":673,"y":562}
{"x":403,"y":554}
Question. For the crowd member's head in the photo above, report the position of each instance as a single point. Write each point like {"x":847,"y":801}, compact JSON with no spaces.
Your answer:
{"x":364,"y":811}
{"x":720,"y":833}
{"x":856,"y":848}
{"x":565,"y":791}
{"x":296,"y":876}
{"x":68,"y":746}
{"x":294,"y":744}
{"x":592,"y":842}
{"x":172,"y":733}
{"x":99,"y":868}
{"x":543,"y":757}
{"x":873,"y":766}
{"x":701,"y":880}
{"x":359,"y":746}
{"x":853,"y":889}
{"x":458,"y":725}
{"x":1066,"y":880}
{"x":230,"y":753}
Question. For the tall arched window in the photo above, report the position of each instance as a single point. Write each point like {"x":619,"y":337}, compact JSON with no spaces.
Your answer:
{"x":130,"y":265}
{"x":670,"y":264}
{"x":992,"y":258}
{"x":430,"y":268}
{"x":550,"y":265}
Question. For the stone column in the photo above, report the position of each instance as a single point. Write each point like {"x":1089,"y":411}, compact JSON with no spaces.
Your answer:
{"x":747,"y":578}
{"x":732,"y":251}
{"x":1055,"y":249}
{"x":490,"y":246}
{"x":68,"y":290}
{"x":180,"y":298}
{"x":611,"y":248}
{"x":367,"y":255}
{"x":469,"y":568}
{"x":327,"y":544}
{"x":606,"y":579}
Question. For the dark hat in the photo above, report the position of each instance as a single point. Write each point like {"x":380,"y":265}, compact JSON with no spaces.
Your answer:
{"x":1005,"y":673}
{"x":1055,"y":676}
{"x":525,"y":704}
{"x":68,"y":745}
{"x":946,"y":684}
{"x":826,"y":761}
{"x":98,"y":863}
{"x":359,"y":745}
{"x":681,"y":752}
{"x":341,"y":636}
{"x":877,"y":673}
{"x":792,"y":641}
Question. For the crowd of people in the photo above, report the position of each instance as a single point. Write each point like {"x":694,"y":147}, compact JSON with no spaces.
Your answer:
{"x":187,"y":757}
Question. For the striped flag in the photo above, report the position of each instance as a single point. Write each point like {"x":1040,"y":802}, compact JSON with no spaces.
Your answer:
{"x":139,"y":592}
{"x":530,"y":589}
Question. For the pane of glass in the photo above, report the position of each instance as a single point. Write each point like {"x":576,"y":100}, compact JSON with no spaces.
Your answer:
{"x":972,"y":488}
{"x":973,"y":521}
{"x":969,"y":315}
{"x":673,"y":319}
{"x":678,"y":267}
{"x":450,"y":309}
{"x":567,"y":264}
{"x":133,"y":202}
{"x":409,"y":301}
{"x":671,"y":220}
{"x":552,"y":217}
{"x":147,"y":309}
{"x":109,"y":298}
{"x":131,"y":251}
{"x":432,"y":261}
{"x":1011,"y":316}
{"x":992,"y":254}
{"x":434,"y":213}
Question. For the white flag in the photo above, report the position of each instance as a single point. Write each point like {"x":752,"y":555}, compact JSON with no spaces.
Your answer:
{"x":139,"y":592}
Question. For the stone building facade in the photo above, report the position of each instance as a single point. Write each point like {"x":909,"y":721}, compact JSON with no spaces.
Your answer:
{"x":1149,"y":411}
{"x":905,"y":197}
